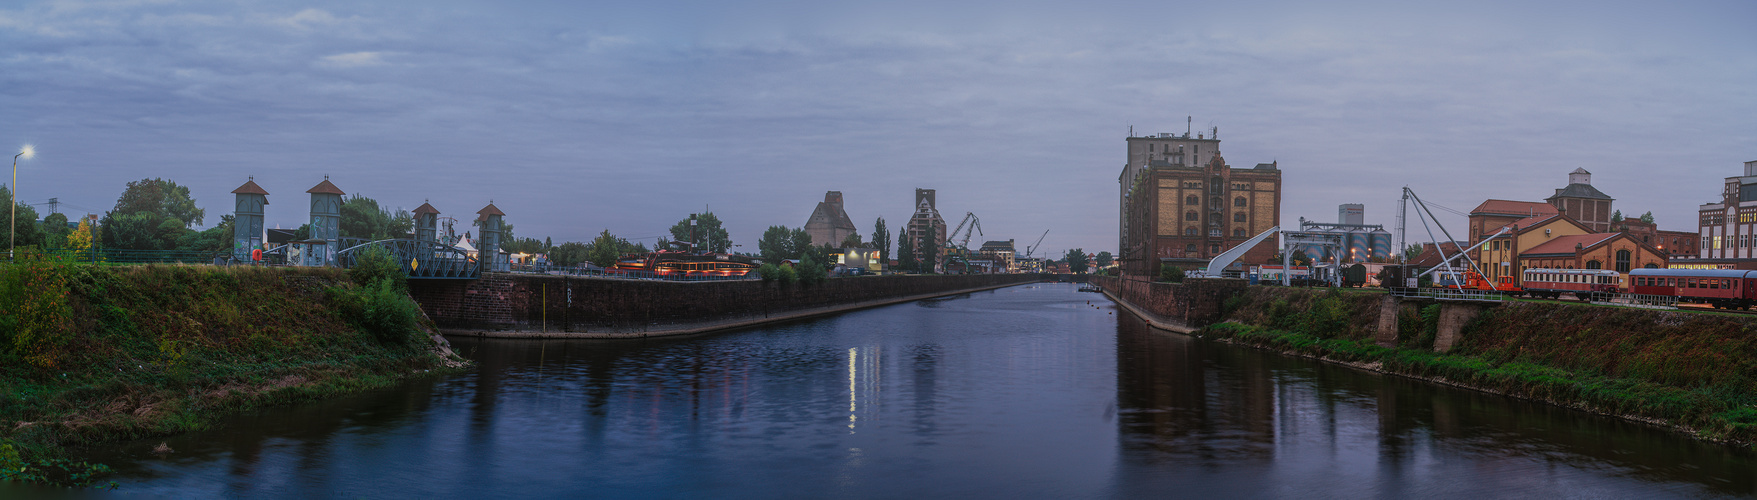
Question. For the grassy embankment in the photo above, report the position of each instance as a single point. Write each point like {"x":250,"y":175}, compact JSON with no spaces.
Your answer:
{"x":92,"y":354}
{"x":1696,"y":372}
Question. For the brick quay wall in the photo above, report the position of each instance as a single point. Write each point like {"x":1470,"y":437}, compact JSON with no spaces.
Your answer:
{"x":1182,"y":307}
{"x":535,"y":305}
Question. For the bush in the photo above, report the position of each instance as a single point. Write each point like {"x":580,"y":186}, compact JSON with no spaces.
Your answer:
{"x":809,"y":271}
{"x":1168,"y":272}
{"x":374,"y":263}
{"x":37,"y":322}
{"x":776,"y":272}
{"x":379,"y":309}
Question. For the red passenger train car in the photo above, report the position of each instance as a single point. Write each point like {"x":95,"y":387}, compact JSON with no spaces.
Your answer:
{"x":1583,"y":283}
{"x":1721,"y":288}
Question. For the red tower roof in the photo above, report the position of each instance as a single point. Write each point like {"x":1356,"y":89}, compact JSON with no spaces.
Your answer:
{"x":250,"y":187}
{"x":426,"y":208}
{"x":325,"y":188}
{"x":490,"y":210}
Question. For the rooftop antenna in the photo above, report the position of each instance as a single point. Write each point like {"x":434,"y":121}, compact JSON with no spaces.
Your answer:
{"x":1189,"y":121}
{"x":1131,"y":130}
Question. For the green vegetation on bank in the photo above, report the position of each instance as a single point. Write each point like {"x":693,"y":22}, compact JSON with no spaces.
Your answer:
{"x":93,"y":354}
{"x":1692,"y":370}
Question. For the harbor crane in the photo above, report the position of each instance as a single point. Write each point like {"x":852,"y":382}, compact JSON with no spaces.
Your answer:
{"x":1033,"y":246}
{"x":970,"y":224}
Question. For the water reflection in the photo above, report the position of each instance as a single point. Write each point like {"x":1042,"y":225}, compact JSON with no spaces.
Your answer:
{"x":1027,"y":391}
{"x":1213,"y":419}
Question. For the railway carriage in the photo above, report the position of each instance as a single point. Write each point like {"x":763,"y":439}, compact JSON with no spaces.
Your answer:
{"x":1585,"y":284}
{"x":1721,"y":288}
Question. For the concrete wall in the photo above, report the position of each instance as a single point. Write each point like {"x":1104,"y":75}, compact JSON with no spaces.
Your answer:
{"x":1183,"y":306}
{"x":525,"y":302}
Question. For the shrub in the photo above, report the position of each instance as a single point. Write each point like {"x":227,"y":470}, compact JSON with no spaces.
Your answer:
{"x":374,"y":263}
{"x":37,"y":322}
{"x":1168,"y":272}
{"x":809,"y":271}
{"x":379,"y":309}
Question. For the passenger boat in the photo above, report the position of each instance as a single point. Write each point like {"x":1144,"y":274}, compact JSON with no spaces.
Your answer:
{"x":668,"y":264}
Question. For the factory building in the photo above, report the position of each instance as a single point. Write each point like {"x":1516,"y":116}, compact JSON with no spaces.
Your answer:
{"x":1725,"y":227}
{"x":829,"y":223}
{"x":1180,"y":203}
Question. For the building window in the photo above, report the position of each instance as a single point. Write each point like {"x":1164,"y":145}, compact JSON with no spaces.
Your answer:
{"x":1191,"y":215}
{"x":1238,"y":231}
{"x":1190,"y":231}
{"x":1592,"y":264}
{"x":1190,"y":248}
{"x":1149,"y":147}
{"x":1238,"y":202}
{"x":1192,"y":200}
{"x":1622,"y":261}
{"x":1213,"y":248}
{"x":1238,"y":217}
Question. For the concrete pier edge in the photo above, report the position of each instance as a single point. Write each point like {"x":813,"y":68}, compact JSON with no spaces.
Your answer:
{"x":714,"y":326}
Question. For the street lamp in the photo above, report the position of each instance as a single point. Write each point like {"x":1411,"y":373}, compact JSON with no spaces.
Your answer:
{"x":12,"y":221}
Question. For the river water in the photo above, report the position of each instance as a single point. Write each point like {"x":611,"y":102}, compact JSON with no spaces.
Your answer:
{"x":1034,"y":391}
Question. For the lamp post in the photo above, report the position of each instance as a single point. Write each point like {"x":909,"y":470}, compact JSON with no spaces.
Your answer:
{"x":12,"y":221}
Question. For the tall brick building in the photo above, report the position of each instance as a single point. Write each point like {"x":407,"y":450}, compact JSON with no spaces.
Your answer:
{"x":926,"y":230}
{"x":1181,"y":204}
{"x":1726,"y":227}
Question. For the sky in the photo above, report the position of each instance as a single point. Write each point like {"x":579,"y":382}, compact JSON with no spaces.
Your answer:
{"x":577,"y":117}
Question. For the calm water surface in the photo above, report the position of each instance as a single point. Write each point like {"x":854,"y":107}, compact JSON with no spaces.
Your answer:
{"x":1026,"y":392}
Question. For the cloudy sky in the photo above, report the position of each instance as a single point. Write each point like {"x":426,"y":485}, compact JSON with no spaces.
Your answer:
{"x":575,"y":117}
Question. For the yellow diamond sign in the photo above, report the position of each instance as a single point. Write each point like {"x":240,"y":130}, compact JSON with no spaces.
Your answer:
{"x":413,"y":264}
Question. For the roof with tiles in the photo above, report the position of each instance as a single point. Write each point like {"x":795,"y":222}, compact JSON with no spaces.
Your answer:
{"x":1513,"y":208}
{"x":1565,"y":245}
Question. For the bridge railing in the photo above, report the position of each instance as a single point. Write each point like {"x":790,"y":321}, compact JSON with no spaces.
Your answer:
{"x":420,"y":259}
{"x":1451,"y":294}
{"x":582,"y":270}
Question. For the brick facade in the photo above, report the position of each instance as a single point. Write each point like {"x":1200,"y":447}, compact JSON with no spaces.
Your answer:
{"x":1195,"y":303}
{"x":1176,"y":211}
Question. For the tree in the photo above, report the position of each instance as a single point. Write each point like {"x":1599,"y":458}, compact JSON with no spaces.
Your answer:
{"x":570,"y":253}
{"x":214,"y":239}
{"x":151,"y":214}
{"x":881,"y":238}
{"x":1104,"y":259}
{"x":27,"y":231}
{"x":1647,"y":217}
{"x":852,"y":241}
{"x":161,"y":197}
{"x":1077,"y":260}
{"x":1411,"y":252}
{"x":605,"y":249}
{"x":801,"y":242}
{"x":928,"y":254}
{"x":363,"y":218}
{"x":776,"y":244}
{"x":1616,"y":216}
{"x":55,"y":230}
{"x":906,"y":256}
{"x":81,"y":238}
{"x":709,"y":236}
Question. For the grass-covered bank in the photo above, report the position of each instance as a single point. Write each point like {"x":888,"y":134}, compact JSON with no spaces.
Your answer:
{"x":1696,"y":372}
{"x":91,"y":354}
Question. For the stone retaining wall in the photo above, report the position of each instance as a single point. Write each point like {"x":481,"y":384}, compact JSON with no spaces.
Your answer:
{"x":544,"y":303}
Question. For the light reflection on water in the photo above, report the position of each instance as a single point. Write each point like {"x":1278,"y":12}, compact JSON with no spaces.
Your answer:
{"x":1025,"y":391}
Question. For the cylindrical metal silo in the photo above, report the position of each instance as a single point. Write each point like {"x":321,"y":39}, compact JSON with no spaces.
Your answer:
{"x":1381,"y":245}
{"x":1358,"y":246}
